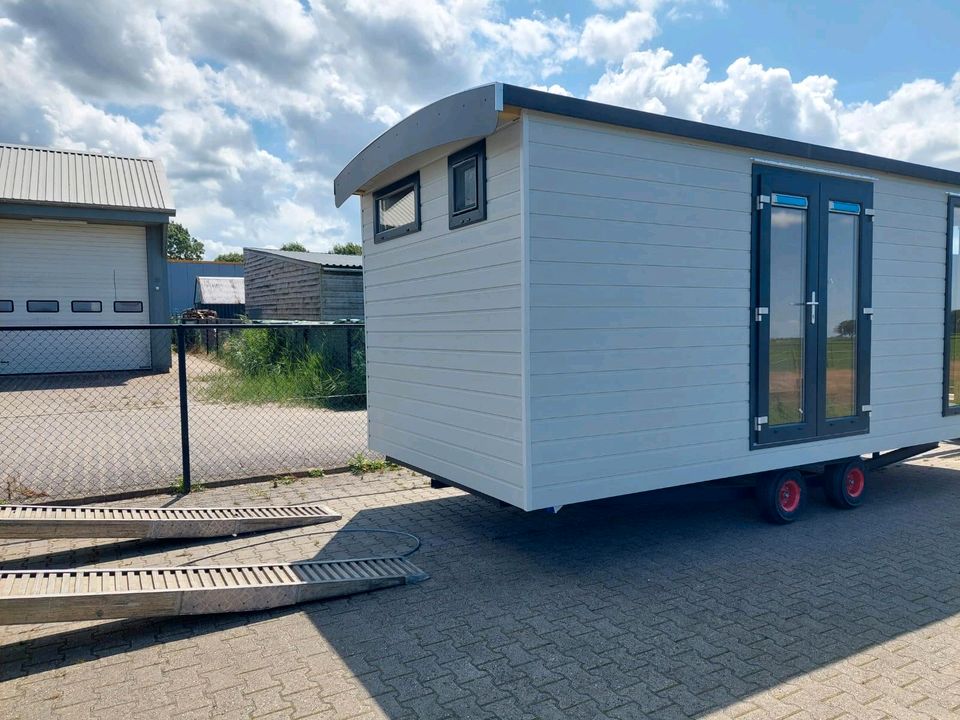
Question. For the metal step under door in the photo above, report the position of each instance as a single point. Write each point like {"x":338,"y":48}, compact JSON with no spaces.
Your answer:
{"x":41,"y":596}
{"x":102,"y":521}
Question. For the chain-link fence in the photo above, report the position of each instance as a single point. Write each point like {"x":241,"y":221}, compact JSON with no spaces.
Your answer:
{"x":98,"y":411}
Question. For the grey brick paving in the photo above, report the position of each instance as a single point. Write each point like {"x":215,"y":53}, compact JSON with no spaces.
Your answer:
{"x":669,"y":605}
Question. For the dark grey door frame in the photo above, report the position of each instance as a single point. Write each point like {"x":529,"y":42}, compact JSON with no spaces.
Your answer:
{"x":819,"y":190}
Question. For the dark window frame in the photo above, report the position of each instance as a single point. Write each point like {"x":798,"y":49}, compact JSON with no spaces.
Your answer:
{"x":132,"y":312}
{"x":478,"y":213}
{"x":11,"y":305}
{"x":770,"y":179}
{"x":73,"y":306}
{"x":953,"y":217}
{"x":55,"y":302}
{"x":397,"y":187}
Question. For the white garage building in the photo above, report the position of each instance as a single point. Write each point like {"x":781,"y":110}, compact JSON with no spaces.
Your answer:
{"x":82,"y":245}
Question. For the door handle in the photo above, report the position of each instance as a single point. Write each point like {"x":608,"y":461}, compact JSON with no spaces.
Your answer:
{"x":812,"y":304}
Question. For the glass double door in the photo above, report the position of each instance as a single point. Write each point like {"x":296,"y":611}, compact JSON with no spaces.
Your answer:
{"x":812,"y":290}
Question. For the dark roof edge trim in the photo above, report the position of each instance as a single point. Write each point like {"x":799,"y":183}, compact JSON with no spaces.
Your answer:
{"x":41,"y":211}
{"x":651,"y":122}
{"x":466,"y":115}
{"x":85,"y":206}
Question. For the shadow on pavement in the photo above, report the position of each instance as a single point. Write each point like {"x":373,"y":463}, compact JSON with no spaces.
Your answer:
{"x":72,"y":381}
{"x":674,"y":603}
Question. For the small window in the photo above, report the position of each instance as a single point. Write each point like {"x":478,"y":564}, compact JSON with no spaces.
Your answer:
{"x":86,"y":306}
{"x":466,"y":185}
{"x":127,"y":306}
{"x":43,"y":306}
{"x":6,"y":305}
{"x":397,"y":209}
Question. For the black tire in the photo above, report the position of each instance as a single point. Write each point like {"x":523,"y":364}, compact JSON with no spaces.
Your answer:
{"x":844,"y":483}
{"x":782,"y":495}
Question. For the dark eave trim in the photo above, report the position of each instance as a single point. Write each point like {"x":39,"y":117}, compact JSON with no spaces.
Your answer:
{"x":651,"y":122}
{"x":29,"y":211}
{"x":471,"y":114}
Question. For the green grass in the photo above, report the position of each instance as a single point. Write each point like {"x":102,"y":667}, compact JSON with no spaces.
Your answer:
{"x":954,"y":383}
{"x":179,"y":487}
{"x":275,"y":366}
{"x":785,"y":353}
{"x":360,"y":464}
{"x":786,"y":361}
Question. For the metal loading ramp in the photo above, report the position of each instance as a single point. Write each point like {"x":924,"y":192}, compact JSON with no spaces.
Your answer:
{"x":41,"y":596}
{"x":93,"y":521}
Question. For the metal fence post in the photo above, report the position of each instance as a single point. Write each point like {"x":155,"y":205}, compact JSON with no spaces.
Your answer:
{"x":184,"y":423}
{"x":349,"y":349}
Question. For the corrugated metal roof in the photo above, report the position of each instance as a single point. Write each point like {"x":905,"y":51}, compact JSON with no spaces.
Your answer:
{"x":219,"y":291}
{"x":82,"y":179}
{"x":325,"y":259}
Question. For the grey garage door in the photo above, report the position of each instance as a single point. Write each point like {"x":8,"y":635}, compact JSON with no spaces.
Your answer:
{"x":69,"y":274}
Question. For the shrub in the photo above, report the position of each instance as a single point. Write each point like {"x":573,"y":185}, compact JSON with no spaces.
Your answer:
{"x":360,"y":464}
{"x":283,"y":365}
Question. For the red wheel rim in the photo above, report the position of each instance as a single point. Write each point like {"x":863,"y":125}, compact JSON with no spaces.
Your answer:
{"x":789,"y":496}
{"x":855,"y":482}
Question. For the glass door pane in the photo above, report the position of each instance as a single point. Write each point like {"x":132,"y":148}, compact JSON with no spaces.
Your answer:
{"x":788,"y":310}
{"x":953,"y":318}
{"x":843,"y":251}
{"x":812,"y":287}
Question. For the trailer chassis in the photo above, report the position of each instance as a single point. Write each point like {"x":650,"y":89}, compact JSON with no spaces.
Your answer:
{"x":781,"y":493}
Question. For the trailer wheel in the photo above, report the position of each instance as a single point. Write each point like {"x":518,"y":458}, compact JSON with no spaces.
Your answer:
{"x":845,"y":482}
{"x":782,"y":495}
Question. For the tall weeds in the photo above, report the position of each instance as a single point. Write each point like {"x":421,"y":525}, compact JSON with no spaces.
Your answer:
{"x":282,"y":365}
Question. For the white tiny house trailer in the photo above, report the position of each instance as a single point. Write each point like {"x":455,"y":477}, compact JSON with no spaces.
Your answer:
{"x":568,"y":301}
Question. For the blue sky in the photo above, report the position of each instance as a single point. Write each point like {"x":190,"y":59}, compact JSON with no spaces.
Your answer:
{"x":870,"y":47}
{"x":255,"y":106}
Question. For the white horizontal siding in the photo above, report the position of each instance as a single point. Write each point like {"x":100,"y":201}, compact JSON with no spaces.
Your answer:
{"x":443,"y":333}
{"x":639,"y":252}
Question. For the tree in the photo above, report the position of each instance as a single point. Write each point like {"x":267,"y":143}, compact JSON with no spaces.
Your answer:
{"x":229,"y":257}
{"x":350,"y":248}
{"x":181,"y":245}
{"x":293,"y":247}
{"x":847,"y":328}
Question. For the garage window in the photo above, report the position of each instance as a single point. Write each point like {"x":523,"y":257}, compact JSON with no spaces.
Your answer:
{"x":466,"y":185}
{"x":86,"y":306}
{"x":397,"y":209}
{"x":127,"y":306}
{"x":6,"y":305}
{"x":43,"y":306}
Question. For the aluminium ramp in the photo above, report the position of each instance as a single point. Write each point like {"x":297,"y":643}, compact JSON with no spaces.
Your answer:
{"x":103,"y":521}
{"x":40,"y":596}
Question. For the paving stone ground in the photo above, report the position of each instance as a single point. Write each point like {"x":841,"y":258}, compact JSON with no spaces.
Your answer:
{"x":673,"y":604}
{"x":96,"y":434}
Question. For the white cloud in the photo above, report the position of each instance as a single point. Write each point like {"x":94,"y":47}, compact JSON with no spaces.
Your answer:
{"x":920,"y":121}
{"x":693,"y":9}
{"x":555,"y":89}
{"x":254,"y":106}
{"x":116,"y":52}
{"x":604,"y":39}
